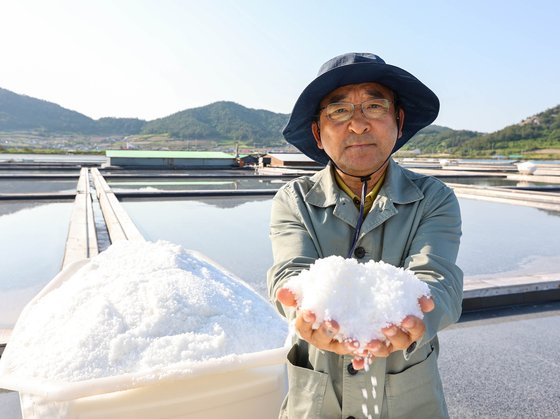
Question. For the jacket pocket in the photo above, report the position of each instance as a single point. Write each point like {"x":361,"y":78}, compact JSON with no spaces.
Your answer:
{"x":306,"y":390}
{"x":416,"y":392}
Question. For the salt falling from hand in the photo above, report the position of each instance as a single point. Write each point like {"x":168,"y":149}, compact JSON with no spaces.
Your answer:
{"x":362,"y":297}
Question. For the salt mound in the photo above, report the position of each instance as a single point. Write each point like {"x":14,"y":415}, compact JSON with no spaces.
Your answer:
{"x":136,"y":307}
{"x":362,"y":297}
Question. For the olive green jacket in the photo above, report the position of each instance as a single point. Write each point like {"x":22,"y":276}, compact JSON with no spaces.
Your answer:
{"x":414,"y":223}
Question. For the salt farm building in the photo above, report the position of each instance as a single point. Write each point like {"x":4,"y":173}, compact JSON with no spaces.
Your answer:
{"x":289,"y":160}
{"x":170,"y":159}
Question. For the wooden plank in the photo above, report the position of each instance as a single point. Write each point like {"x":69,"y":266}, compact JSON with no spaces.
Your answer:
{"x":119,"y":224}
{"x":81,"y":242}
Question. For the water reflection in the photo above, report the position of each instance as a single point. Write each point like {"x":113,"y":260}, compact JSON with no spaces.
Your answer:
{"x":37,"y":185}
{"x":234,"y":232}
{"x":494,"y":181}
{"x":32,"y":247}
{"x":500,"y":238}
{"x":497,"y":238}
{"x":195,"y":184}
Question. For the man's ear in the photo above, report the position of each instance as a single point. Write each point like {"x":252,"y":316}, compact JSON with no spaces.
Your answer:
{"x":400,"y":122}
{"x":316,"y":133}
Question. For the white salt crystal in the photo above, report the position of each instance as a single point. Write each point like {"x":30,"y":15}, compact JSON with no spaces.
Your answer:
{"x":136,"y":307}
{"x":362,"y":297}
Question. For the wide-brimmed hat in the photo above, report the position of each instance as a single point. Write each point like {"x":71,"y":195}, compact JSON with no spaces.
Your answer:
{"x":420,"y":104}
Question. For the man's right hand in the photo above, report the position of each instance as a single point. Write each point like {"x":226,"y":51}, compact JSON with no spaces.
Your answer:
{"x":322,"y":337}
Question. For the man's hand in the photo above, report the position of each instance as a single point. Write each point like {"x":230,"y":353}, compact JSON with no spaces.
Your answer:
{"x":399,"y":337}
{"x":321,"y":338}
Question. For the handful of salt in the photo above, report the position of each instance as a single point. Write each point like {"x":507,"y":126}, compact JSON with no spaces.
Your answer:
{"x":363,"y":298}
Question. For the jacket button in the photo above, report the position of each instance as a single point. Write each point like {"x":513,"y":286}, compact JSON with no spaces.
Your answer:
{"x":411,"y":348}
{"x":359,"y":252}
{"x":351,"y":369}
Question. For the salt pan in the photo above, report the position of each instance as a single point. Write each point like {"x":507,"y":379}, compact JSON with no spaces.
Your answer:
{"x":140,"y":307}
{"x":362,"y":297}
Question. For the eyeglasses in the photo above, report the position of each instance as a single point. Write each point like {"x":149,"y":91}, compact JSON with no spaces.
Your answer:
{"x":343,"y":111}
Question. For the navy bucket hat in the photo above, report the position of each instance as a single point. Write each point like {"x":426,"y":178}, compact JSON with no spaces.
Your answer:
{"x":420,"y":104}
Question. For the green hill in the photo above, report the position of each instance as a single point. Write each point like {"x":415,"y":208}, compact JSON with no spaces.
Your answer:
{"x":535,"y":136}
{"x":436,"y":140}
{"x":225,"y":122}
{"x":24,"y":113}
{"x":19,"y":112}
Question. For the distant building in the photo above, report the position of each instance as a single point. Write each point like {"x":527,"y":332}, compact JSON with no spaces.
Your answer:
{"x":248,"y":160}
{"x":171,"y":159}
{"x":293,"y":160}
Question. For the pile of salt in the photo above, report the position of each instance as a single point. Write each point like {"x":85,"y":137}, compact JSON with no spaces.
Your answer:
{"x":362,"y":297}
{"x":136,"y":307}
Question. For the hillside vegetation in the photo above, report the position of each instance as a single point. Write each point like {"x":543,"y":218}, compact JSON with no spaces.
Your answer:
{"x":24,"y":113}
{"x":226,"y":122}
{"x":536,"y":136}
{"x":222,"y":125}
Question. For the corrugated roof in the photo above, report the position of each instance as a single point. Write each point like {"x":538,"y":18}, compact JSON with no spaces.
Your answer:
{"x":291,"y":157}
{"x":156,"y":154}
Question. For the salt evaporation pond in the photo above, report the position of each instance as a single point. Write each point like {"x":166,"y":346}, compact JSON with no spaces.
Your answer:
{"x":139,"y":307}
{"x":32,"y":243}
{"x":19,"y":186}
{"x":498,"y":239}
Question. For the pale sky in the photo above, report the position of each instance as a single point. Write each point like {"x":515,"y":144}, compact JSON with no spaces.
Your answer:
{"x":491,"y":62}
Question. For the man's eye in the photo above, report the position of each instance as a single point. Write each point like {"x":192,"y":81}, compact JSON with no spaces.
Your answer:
{"x":338,"y":110}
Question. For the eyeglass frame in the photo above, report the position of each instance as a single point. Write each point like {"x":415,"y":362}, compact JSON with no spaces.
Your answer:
{"x":361,"y":109}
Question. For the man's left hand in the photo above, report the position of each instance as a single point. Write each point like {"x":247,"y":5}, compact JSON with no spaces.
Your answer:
{"x":399,"y":337}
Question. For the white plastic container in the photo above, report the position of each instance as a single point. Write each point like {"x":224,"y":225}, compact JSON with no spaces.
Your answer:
{"x":252,"y":385}
{"x":247,"y":392}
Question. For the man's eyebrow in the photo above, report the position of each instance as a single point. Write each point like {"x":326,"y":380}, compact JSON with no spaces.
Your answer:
{"x":374,"y":93}
{"x":336,"y":98}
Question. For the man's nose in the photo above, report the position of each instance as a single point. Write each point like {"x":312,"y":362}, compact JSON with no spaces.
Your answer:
{"x":358,"y":124}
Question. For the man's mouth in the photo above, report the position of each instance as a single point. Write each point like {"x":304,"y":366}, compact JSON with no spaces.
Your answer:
{"x":360,"y":145}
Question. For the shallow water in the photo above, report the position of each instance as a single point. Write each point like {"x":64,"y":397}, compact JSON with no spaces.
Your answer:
{"x":37,"y":185}
{"x":195,"y":184}
{"x":231,"y":231}
{"x":498,"y":239}
{"x":32,"y":243}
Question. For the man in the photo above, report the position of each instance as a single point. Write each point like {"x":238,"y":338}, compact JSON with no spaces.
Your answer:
{"x":352,"y":117}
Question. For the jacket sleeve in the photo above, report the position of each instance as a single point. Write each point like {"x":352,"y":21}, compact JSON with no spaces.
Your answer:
{"x":432,"y":256}
{"x":293,"y":247}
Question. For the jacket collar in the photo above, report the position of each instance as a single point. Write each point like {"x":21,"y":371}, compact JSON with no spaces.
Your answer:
{"x":398,"y":187}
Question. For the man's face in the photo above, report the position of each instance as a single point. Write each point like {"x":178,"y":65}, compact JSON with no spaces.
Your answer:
{"x":360,"y":145}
